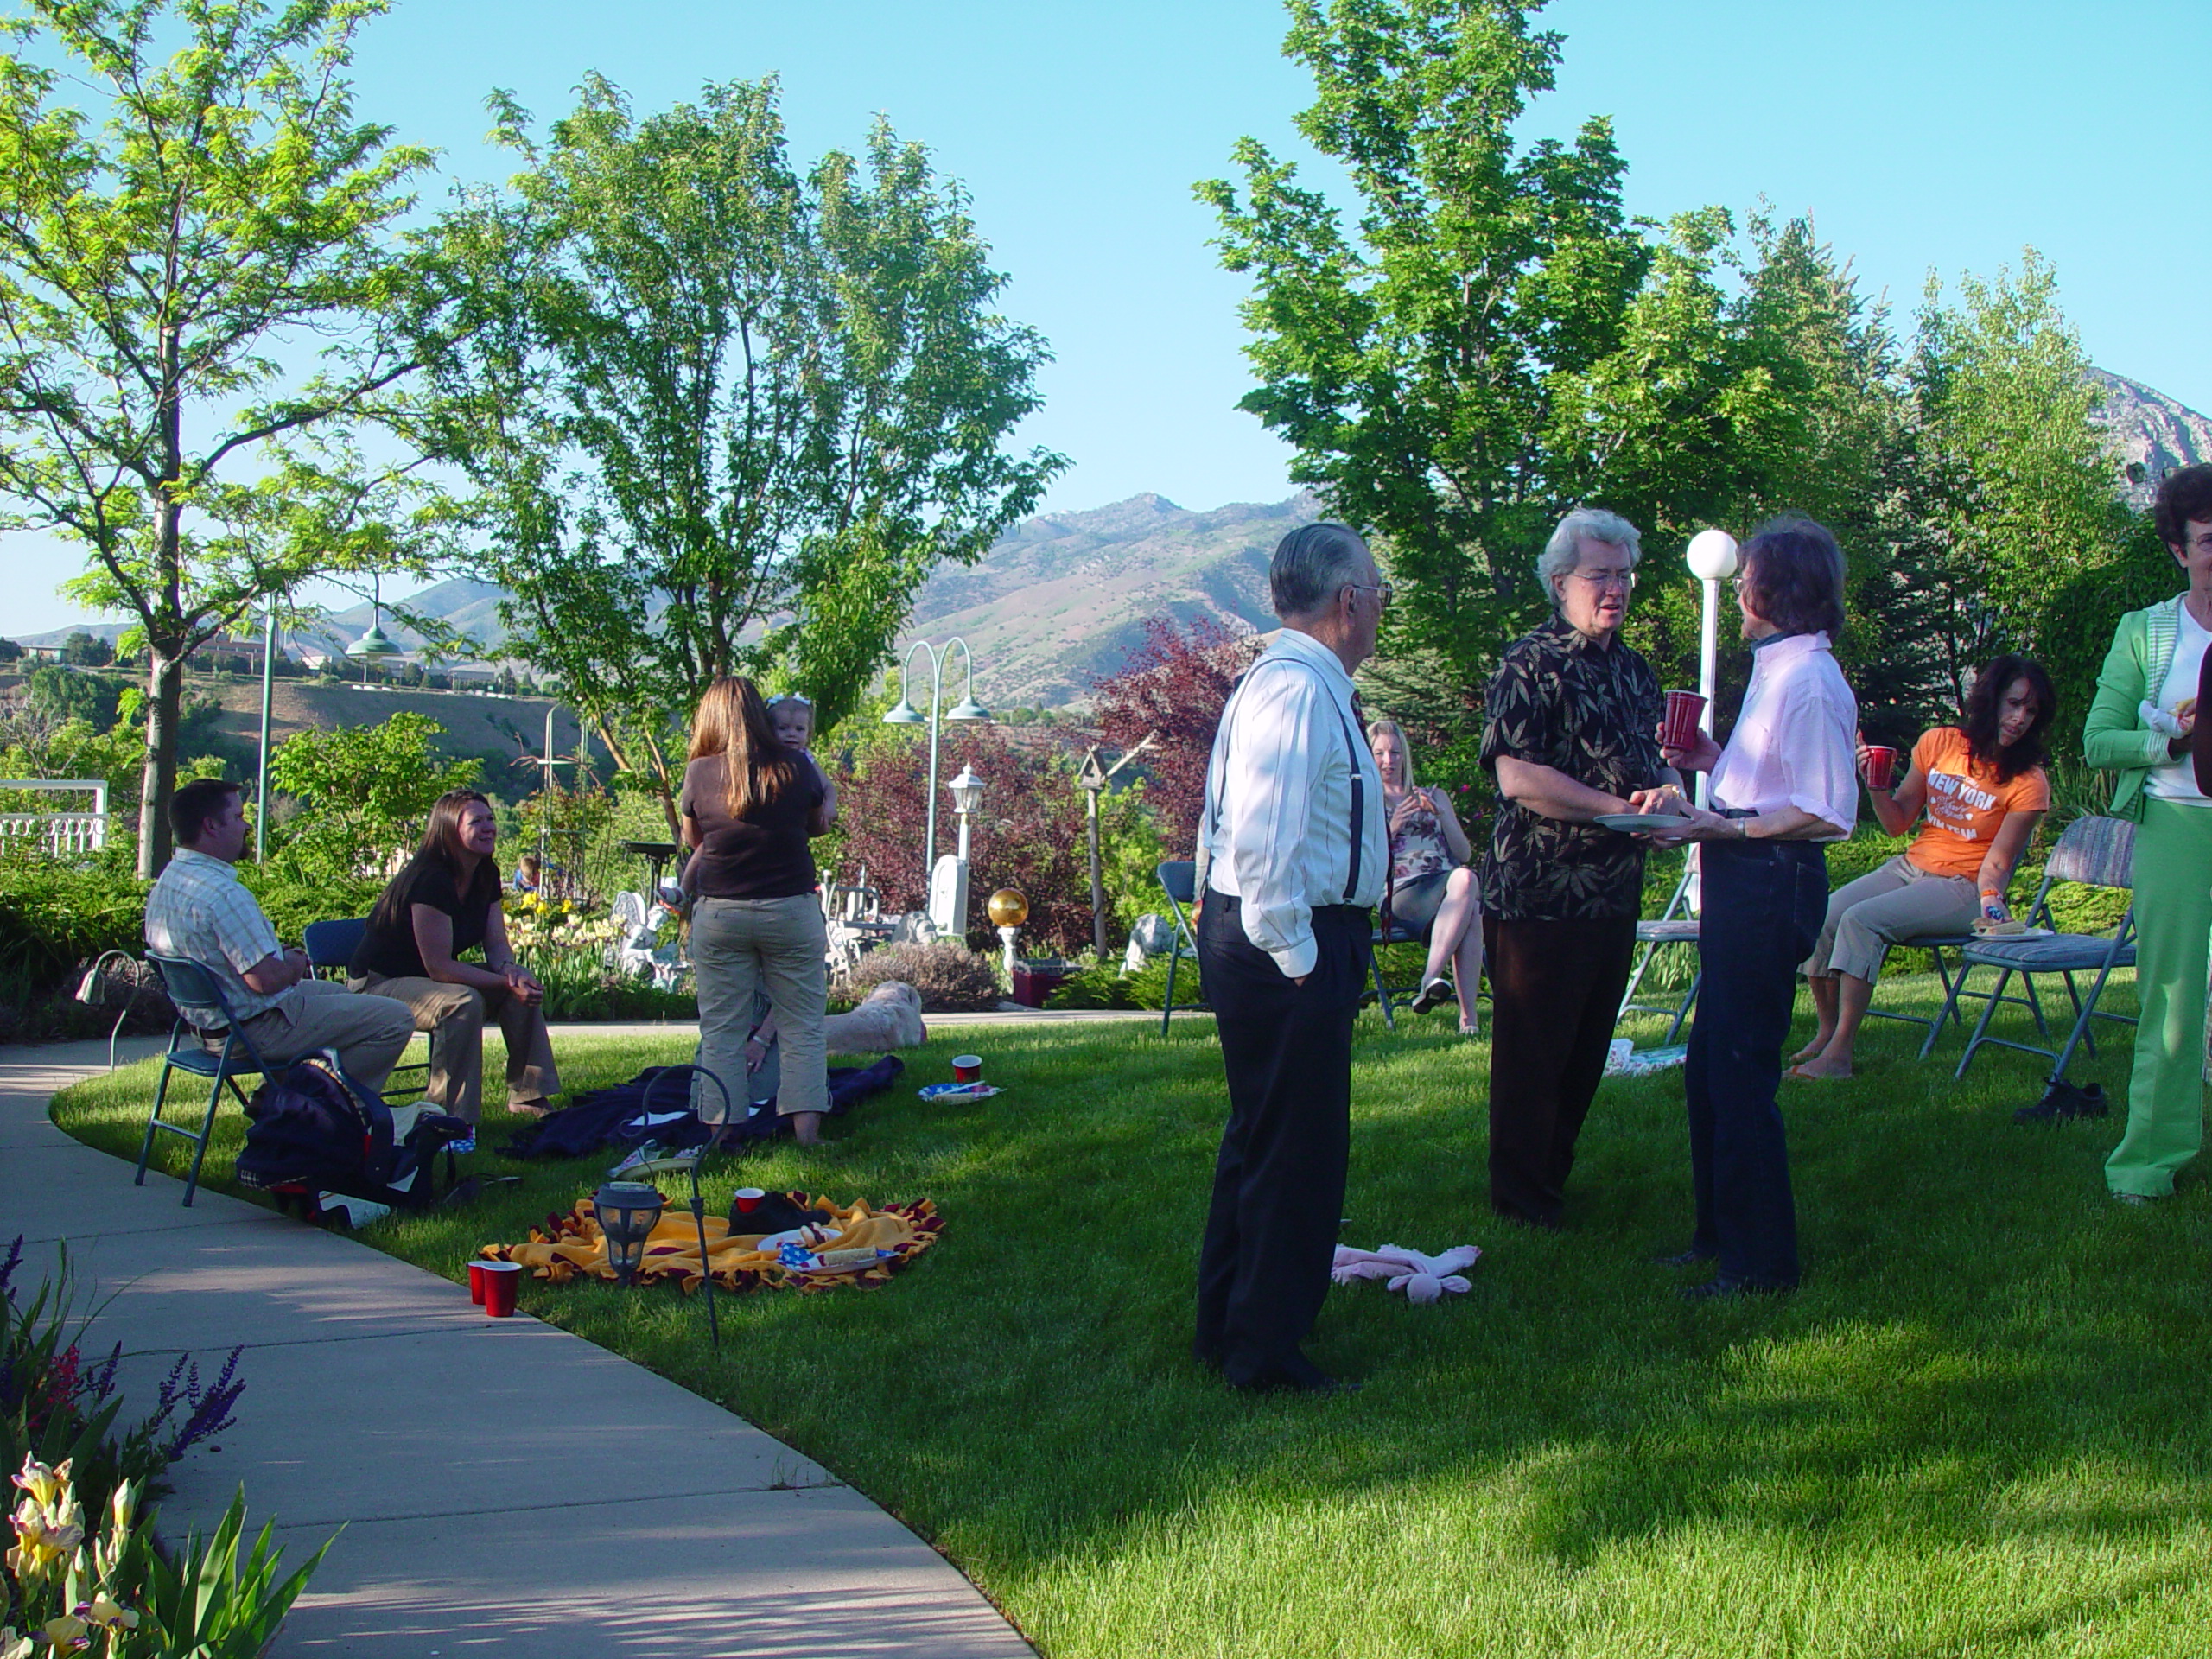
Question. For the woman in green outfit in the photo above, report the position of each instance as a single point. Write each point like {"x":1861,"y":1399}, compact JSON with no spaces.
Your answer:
{"x":2140,"y":726}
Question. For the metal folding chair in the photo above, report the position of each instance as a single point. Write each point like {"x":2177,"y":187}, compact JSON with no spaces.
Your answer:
{"x":1676,"y":925}
{"x":1935,"y":945}
{"x":330,"y":947}
{"x":2095,"y":852}
{"x":193,"y":989}
{"x":1179,"y":880}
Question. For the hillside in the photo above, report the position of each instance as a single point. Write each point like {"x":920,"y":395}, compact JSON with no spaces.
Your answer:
{"x":1058,"y":602}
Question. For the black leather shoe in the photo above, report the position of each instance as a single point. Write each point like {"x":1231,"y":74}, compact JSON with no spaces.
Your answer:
{"x":1724,"y":1287}
{"x":2062,"y":1100}
{"x":1437,"y":991}
{"x":1685,"y":1259}
{"x":1300,"y":1375}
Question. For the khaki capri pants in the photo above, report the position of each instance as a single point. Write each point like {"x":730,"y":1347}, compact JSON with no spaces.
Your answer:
{"x":737,"y":946}
{"x":1896,"y":903}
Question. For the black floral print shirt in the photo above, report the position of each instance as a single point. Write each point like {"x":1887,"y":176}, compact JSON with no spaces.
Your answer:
{"x":1591,"y":711}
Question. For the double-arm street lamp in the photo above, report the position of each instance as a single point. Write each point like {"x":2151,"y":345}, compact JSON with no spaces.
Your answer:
{"x":905,"y":713}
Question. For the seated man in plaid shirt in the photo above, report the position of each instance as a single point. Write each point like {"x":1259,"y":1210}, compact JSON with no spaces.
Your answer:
{"x":198,"y":911}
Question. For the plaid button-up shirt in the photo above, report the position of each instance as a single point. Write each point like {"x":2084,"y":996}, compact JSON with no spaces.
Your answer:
{"x":199,"y":911}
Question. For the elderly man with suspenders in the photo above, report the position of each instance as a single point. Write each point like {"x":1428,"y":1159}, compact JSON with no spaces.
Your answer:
{"x":1296,"y":855}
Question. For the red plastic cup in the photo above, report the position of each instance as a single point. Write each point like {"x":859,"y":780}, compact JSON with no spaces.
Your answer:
{"x":1678,"y":729}
{"x":476,"y":1282}
{"x":749,"y":1199}
{"x":1881,"y":765}
{"x":500,"y":1280}
{"x":967,"y":1068}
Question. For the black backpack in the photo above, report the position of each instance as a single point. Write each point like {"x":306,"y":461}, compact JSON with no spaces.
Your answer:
{"x":312,"y":1129}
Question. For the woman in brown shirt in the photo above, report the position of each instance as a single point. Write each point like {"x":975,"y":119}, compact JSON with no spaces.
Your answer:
{"x":748,"y":809}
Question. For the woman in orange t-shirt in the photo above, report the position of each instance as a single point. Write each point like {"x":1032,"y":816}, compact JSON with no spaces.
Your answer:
{"x":1982,"y":785}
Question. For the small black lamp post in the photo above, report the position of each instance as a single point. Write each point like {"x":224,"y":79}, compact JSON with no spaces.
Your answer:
{"x":687,"y":1163}
{"x":628,"y":1212}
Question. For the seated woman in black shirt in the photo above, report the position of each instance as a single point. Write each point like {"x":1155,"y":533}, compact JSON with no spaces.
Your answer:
{"x":749,"y":807}
{"x":444,"y":901}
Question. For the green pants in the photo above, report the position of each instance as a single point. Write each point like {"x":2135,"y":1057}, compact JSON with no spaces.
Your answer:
{"x":2173,"y":919}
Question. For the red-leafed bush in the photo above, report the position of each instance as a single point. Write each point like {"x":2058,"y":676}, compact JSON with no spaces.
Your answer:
{"x":1031,"y":832}
{"x":1175,"y":684}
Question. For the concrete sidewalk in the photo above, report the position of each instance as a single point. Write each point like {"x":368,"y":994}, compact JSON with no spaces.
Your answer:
{"x":506,"y":1488}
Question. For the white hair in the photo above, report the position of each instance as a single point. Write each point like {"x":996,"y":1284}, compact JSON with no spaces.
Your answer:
{"x":1564,"y":552}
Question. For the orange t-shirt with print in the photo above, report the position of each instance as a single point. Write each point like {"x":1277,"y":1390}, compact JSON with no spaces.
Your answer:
{"x":1965,"y":803}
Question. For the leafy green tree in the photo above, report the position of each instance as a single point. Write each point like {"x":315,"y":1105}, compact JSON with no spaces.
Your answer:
{"x":87,"y":651}
{"x":2031,"y":546}
{"x":722,"y":418}
{"x":71,"y":694}
{"x":1415,"y":360}
{"x":155,"y":265}
{"x":367,"y":790}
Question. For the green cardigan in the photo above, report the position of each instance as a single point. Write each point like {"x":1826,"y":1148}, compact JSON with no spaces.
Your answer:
{"x":2115,"y":739}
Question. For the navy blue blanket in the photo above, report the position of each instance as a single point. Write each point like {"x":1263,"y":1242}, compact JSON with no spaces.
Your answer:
{"x":614,"y":1117}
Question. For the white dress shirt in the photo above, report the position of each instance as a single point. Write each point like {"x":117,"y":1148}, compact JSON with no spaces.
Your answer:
{"x":1278,"y":822}
{"x":198,"y":911}
{"x":1795,"y":743}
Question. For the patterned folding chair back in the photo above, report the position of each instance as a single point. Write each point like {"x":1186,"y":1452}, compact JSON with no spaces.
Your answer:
{"x":332,"y":944}
{"x":2097,"y":851}
{"x":1180,"y":877}
{"x":192,"y":987}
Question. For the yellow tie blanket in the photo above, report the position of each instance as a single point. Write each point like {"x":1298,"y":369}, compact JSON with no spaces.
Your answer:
{"x":892,"y":1237}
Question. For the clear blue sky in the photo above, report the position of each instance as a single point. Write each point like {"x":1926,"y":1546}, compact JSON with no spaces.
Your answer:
{"x":1943,"y":134}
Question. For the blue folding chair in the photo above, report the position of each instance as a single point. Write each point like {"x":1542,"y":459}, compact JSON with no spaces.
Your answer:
{"x":193,"y":989}
{"x":1179,"y":880}
{"x":330,"y":947}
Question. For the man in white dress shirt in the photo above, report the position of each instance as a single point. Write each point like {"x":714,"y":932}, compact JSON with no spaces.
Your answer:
{"x":1297,"y":856}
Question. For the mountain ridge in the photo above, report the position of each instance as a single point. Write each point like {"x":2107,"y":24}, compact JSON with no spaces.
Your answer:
{"x":1058,"y":600}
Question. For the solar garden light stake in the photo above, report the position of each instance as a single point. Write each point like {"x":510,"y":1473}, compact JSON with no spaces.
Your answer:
{"x":627,"y":1213}
{"x":687,"y":1163}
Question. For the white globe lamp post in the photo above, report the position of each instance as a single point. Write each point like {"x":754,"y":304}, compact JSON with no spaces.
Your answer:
{"x":1711,"y":560}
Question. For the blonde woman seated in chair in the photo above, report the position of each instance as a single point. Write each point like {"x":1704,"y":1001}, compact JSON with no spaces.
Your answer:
{"x":1432,"y":888}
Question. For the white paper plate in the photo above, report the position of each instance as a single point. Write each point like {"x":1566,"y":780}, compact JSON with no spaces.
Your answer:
{"x":1641,"y":821}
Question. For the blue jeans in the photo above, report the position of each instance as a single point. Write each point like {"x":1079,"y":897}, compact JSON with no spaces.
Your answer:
{"x":1764,"y":906}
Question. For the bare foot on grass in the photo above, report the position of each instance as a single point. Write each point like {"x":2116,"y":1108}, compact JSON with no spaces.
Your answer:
{"x":1821,"y":1070}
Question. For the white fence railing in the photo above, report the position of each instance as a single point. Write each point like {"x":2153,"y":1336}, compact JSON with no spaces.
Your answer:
{"x":63,"y":834}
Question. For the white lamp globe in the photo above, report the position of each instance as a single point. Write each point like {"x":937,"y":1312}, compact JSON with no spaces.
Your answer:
{"x":1712,"y":555}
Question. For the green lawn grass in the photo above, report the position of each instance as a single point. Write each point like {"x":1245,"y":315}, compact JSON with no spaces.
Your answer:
{"x":1979,"y":1428}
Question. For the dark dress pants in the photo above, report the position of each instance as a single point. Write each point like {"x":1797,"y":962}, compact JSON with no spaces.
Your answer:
{"x":1763,"y":904}
{"x":1555,"y":995}
{"x":1278,"y":1181}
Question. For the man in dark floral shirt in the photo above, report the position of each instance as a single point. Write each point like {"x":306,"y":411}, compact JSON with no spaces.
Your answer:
{"x":1571,"y":732}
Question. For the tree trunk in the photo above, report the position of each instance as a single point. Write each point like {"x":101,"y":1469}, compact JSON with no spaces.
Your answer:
{"x":164,"y":707}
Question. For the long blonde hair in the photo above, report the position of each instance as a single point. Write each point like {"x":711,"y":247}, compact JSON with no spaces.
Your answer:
{"x":1388,"y":728}
{"x":733,"y":722}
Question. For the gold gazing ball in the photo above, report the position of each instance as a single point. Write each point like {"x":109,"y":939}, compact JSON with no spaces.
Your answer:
{"x":1009,"y":907}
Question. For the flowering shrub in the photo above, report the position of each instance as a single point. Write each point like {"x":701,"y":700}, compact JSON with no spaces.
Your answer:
{"x":538,"y":926}
{"x":72,"y":1587}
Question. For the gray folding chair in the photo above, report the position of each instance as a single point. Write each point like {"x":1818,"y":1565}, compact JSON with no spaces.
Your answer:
{"x":193,"y":989}
{"x":2096,"y":852}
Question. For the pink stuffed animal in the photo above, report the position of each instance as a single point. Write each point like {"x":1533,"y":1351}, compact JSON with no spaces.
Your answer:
{"x":1423,"y":1278}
